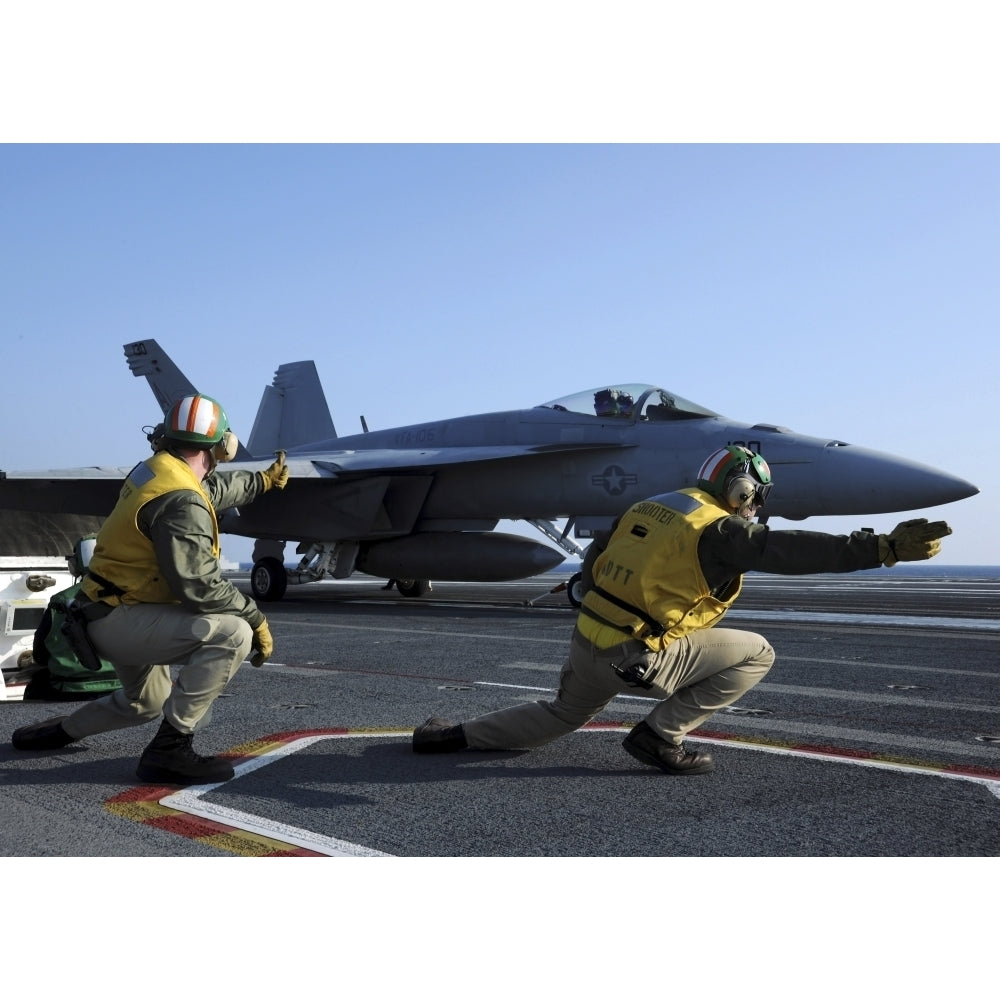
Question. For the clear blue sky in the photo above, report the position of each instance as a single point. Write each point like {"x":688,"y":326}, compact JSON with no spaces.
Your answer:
{"x":840,"y":290}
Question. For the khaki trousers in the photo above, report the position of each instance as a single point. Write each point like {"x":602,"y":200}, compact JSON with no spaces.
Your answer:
{"x":141,"y":641}
{"x":692,"y":678}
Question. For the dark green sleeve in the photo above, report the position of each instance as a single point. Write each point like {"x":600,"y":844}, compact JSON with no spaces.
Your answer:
{"x":732,"y":545}
{"x":233,"y":488}
{"x":181,"y":530}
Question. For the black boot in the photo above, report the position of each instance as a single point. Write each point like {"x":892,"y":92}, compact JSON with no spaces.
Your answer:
{"x":647,"y":745}
{"x":47,"y":735}
{"x":171,"y":759}
{"x":438,"y":736}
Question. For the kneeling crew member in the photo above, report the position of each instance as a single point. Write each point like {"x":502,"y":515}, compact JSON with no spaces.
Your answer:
{"x":672,"y":568}
{"x":157,"y":597}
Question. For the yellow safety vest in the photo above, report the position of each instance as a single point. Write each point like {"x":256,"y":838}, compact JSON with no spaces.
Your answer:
{"x":123,"y":555}
{"x":648,"y":582}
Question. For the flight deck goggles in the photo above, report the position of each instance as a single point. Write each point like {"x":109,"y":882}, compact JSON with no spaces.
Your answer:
{"x":761,"y":493}
{"x":741,"y":490}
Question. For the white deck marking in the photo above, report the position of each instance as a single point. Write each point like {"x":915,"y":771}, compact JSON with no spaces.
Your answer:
{"x":191,"y":800}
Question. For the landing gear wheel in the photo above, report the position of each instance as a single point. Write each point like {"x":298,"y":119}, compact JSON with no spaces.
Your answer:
{"x":268,"y":579}
{"x":574,"y":590}
{"x":413,"y":588}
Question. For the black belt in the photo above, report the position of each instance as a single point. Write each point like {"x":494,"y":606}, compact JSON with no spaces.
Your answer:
{"x":108,"y":589}
{"x":96,"y":610}
{"x":594,"y":616}
{"x":655,"y":628}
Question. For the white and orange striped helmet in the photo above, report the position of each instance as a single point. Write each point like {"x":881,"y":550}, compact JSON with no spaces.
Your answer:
{"x":199,"y":421}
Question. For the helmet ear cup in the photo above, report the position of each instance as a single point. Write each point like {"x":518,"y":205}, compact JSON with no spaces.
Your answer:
{"x":739,"y":490}
{"x":225,"y":450}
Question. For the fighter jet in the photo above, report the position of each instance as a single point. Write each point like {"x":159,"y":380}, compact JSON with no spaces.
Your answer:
{"x":421,"y":502}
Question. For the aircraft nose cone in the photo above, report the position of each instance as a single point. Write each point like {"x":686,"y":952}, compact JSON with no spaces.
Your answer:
{"x":886,"y":483}
{"x":855,"y":480}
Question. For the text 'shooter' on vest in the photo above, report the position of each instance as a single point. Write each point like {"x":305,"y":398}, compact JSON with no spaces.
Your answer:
{"x":651,"y":567}
{"x":123,"y":555}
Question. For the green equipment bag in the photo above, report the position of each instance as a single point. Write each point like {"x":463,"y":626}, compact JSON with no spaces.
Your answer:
{"x":61,"y":676}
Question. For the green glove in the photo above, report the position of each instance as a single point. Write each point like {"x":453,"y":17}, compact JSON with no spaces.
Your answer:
{"x":276,"y":474}
{"x":263,"y":644}
{"x":912,"y":540}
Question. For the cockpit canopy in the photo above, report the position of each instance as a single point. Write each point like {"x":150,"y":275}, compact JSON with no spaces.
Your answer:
{"x":631,"y":401}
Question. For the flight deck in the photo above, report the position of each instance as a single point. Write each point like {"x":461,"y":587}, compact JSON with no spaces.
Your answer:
{"x":877,"y":733}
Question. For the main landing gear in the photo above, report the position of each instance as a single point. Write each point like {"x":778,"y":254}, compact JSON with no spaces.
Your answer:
{"x":268,"y":579}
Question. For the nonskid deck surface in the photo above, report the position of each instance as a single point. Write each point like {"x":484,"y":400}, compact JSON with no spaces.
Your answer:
{"x":876,"y":733}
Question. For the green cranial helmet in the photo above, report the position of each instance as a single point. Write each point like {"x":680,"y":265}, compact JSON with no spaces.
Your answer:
{"x":735,"y":475}
{"x":199,"y":421}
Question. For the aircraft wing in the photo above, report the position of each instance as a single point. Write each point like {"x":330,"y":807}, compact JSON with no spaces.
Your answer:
{"x":362,"y":494}
{"x":91,"y":490}
{"x":330,"y":495}
{"x":427,"y":459}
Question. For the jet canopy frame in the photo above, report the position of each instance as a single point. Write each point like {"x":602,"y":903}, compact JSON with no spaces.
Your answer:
{"x":634,"y":402}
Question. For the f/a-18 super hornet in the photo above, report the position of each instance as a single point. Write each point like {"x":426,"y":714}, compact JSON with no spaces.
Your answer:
{"x":421,"y":502}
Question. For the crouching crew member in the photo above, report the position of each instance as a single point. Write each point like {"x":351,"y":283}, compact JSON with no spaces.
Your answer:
{"x":156,"y":596}
{"x":672,"y":568}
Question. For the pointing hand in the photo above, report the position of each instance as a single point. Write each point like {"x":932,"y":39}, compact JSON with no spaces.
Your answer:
{"x":912,"y":540}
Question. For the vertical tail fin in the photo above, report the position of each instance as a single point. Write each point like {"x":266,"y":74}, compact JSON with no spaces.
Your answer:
{"x":168,"y":382}
{"x":293,"y":411}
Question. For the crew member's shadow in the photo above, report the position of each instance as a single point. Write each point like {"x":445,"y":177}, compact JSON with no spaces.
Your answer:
{"x":73,"y":764}
{"x":340,"y":762}
{"x":322,"y":768}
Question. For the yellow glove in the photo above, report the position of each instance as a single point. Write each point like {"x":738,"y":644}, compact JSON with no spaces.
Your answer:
{"x":276,"y":474}
{"x":912,"y":540}
{"x":263,"y":644}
